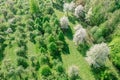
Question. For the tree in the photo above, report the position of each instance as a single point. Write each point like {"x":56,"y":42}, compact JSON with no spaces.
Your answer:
{"x":115,"y":52}
{"x":59,"y":67}
{"x":52,"y":48}
{"x":34,"y":8}
{"x":45,"y":70}
{"x":66,"y":7}
{"x":64,"y":22}
{"x":79,"y":35}
{"x":97,"y":55}
{"x":73,"y":72}
{"x":79,"y":11}
{"x":22,"y":62}
{"x":61,"y":36}
{"x":71,"y":6}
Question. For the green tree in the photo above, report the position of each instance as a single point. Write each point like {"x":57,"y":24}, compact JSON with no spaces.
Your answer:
{"x":34,"y":8}
{"x":52,"y":48}
{"x":45,"y":70}
{"x":61,"y":36}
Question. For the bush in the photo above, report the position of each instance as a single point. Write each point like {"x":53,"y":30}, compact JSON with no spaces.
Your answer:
{"x":59,"y":68}
{"x":21,"y":51}
{"x":44,"y":59}
{"x":22,"y":62}
{"x":45,"y":70}
{"x":49,"y":10}
{"x":115,"y":52}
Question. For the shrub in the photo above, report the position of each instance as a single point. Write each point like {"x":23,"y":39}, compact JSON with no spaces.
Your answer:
{"x":22,"y":62}
{"x":21,"y":51}
{"x":49,"y":10}
{"x":115,"y":52}
{"x":73,"y":72}
{"x":97,"y":55}
{"x":59,"y":68}
{"x":64,"y":22}
{"x":45,"y":70}
{"x":44,"y":59}
{"x":21,"y":42}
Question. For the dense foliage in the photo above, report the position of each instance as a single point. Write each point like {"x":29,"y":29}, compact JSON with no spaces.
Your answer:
{"x":57,"y":39}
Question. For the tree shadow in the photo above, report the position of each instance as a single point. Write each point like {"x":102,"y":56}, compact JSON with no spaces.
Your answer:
{"x":97,"y":72}
{"x":68,"y":33}
{"x":1,"y":56}
{"x":66,"y":49}
{"x":83,"y":48}
{"x":72,"y":19}
{"x":57,"y":6}
{"x":1,"y":52}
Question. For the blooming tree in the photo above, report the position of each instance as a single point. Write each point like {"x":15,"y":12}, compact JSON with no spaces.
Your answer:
{"x":64,"y":22}
{"x":79,"y":11}
{"x":66,"y":7}
{"x":97,"y":55}
{"x":79,"y":35}
{"x":69,"y":7}
{"x":73,"y":72}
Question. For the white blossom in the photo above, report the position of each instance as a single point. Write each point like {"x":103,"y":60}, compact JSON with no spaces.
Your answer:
{"x":79,"y":35}
{"x":79,"y":11}
{"x":64,"y":22}
{"x":71,"y":6}
{"x":97,"y":55}
{"x":66,"y":7}
{"x":73,"y":71}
